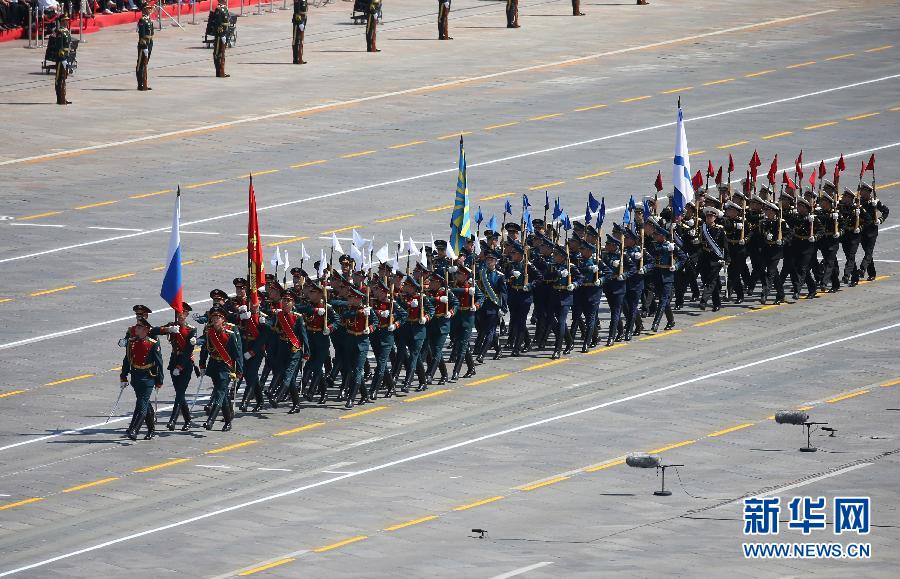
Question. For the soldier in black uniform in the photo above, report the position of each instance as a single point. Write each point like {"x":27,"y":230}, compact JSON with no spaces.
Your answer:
{"x":807,"y":229}
{"x":735,"y":235}
{"x":512,"y":13}
{"x":60,"y":44}
{"x":829,"y":242}
{"x":851,"y":218}
{"x":299,"y":27}
{"x":713,"y":254}
{"x":775,"y":234}
{"x":444,"y":20}
{"x":221,"y":24}
{"x":372,"y":25}
{"x":872,"y":214}
{"x":145,"y":47}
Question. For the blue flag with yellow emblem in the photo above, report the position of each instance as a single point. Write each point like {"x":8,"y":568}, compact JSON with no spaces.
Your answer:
{"x":459,"y":221}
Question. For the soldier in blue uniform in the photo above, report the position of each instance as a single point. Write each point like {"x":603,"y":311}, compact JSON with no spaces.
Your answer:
{"x":637,"y":263}
{"x":668,"y":258}
{"x":143,"y":363}
{"x":614,"y":284}
{"x":221,"y":348}
{"x":521,"y":277}
{"x":492,"y":284}
{"x":588,"y":294}
{"x":565,"y":278}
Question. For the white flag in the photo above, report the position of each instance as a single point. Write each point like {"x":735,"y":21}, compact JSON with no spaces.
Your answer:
{"x":383,"y":254}
{"x":358,"y":241}
{"x":322,"y":264}
{"x":424,"y":259}
{"x":450,"y":253}
{"x":303,"y":254}
{"x":357,"y":256}
{"x":276,"y":258}
{"x":287,"y":262}
{"x":411,"y":246}
{"x":336,"y":245}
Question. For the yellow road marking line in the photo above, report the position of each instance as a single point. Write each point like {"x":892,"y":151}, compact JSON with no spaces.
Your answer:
{"x":20,"y":503}
{"x":204,"y":184}
{"x":162,"y":267}
{"x":11,"y":393}
{"x":895,"y":109}
{"x":671,"y":446}
{"x":409,"y":144}
{"x":501,"y":125}
{"x":605,"y":349}
{"x":115,"y":369}
{"x":52,"y":291}
{"x":267,"y":566}
{"x":229,"y":253}
{"x":341,"y":230}
{"x":397,"y":218}
{"x":38,"y":215}
{"x":545,"y":365}
{"x":299,"y":429}
{"x":478,"y":503}
{"x":841,"y":56}
{"x":443,"y":137}
{"x":286,"y":241}
{"x":682,"y":89}
{"x":4,"y":300}
{"x":589,"y":108}
{"x":776,"y":135}
{"x":545,"y":117}
{"x":864,"y":116}
{"x":605,"y":465}
{"x":737,"y":144}
{"x":760,"y":73}
{"x":115,"y":277}
{"x":885,"y":186}
{"x":592,"y":175}
{"x":161,"y":465}
{"x":545,"y":483}
{"x":399,"y":526}
{"x":102,"y":481}
{"x":881,"y":277}
{"x":846,"y":396}
{"x":692,"y":153}
{"x":891,"y":383}
{"x":143,"y":195}
{"x":231,"y":447}
{"x":72,"y":379}
{"x":820,"y":125}
{"x":363,"y":412}
{"x":713,"y":321}
{"x":491,"y":379}
{"x":732,"y":429}
{"x":498,"y":196}
{"x":639,"y":165}
{"x":546,"y":185}
{"x":714,"y":82}
{"x":768,"y":307}
{"x":634,"y":99}
{"x":359,"y":154}
{"x":424,"y":396}
{"x":100,"y":204}
{"x":258,"y":173}
{"x":879,"y":48}
{"x":660,"y":335}
{"x":804,"y":408}
{"x":340,"y":544}
{"x":441,"y":208}
{"x":308,"y":164}
{"x":799,"y":64}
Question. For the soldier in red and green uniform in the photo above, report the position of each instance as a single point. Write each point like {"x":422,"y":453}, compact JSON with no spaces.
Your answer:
{"x":223,"y":351}
{"x":254,"y":338}
{"x":391,"y":315}
{"x":289,"y":343}
{"x":359,"y":321}
{"x":445,"y":307}
{"x":469,"y":297}
{"x":143,"y":364}
{"x":182,"y":337}
{"x":420,"y":308}
{"x":319,"y":318}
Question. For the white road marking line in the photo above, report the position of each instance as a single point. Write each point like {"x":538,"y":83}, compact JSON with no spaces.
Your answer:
{"x":392,"y":94}
{"x":887,"y":260}
{"x":437,"y":451}
{"x":522,"y":570}
{"x":455,"y":169}
{"x":780,"y":490}
{"x":276,"y":469}
{"x":200,"y":232}
{"x":224,"y":466}
{"x":36,"y":225}
{"x":889,"y":227}
{"x":114,"y":228}
{"x":337,"y":471}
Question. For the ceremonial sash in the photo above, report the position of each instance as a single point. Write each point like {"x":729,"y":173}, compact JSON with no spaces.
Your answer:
{"x":287,"y":328}
{"x":221,"y":348}
{"x":179,"y":341}
{"x":712,"y":243}
{"x":252,"y":326}
{"x":486,"y":286}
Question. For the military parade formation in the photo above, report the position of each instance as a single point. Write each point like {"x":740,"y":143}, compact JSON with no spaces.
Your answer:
{"x":530,"y":285}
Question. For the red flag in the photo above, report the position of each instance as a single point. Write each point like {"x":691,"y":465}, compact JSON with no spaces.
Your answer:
{"x":773,"y":169}
{"x":841,"y":164}
{"x":870,"y":166}
{"x":719,"y":176}
{"x":709,"y":170}
{"x":812,"y":179}
{"x":747,"y":184}
{"x":862,"y":169}
{"x":822,"y":170}
{"x":697,"y":181}
{"x":798,"y":165}
{"x":658,"y":184}
{"x":837,"y":176}
{"x":788,"y":181}
{"x":799,"y":160}
{"x":754,"y":160}
{"x":730,"y":163}
{"x":255,"y":263}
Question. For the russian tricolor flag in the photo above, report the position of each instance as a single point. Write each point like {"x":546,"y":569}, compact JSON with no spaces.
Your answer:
{"x":171,"y":290}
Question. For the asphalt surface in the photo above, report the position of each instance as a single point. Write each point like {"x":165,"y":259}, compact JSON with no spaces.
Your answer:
{"x":565,"y":105}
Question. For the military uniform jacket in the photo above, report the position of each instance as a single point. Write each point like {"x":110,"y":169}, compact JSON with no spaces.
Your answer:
{"x":441,"y":308}
{"x":800,"y":224}
{"x":633,"y":262}
{"x":300,"y":13}
{"x":733,"y":229}
{"x":831,"y":222}
{"x":493,"y":285}
{"x":769,"y":230}
{"x":182,"y":356}
{"x":713,"y":243}
{"x":221,"y":20}
{"x":145,"y":32}
{"x":383,"y":312}
{"x":416,"y":310}
{"x":143,"y":358}
{"x":516,"y":283}
{"x":288,"y":327}
{"x":357,"y":322}
{"x":663,"y":258}
{"x":62,"y":43}
{"x":868,"y":217}
{"x":468,"y":295}
{"x":222,"y":346}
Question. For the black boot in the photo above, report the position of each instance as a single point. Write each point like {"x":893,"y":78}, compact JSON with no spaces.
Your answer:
{"x":170,"y":425}
{"x":228,"y":415}
{"x":442,"y":366}
{"x":131,"y":431}
{"x":569,"y":342}
{"x":470,"y":366}
{"x":211,"y":419}
{"x":151,"y":424}
{"x":186,"y":413}
{"x":457,"y":366}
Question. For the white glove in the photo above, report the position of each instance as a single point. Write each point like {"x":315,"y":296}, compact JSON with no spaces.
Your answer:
{"x":173,"y":330}
{"x":835,"y":215}
{"x":244,"y":315}
{"x":392,"y":327}
{"x":672,"y":268}
{"x":812,"y":238}
{"x":448,"y":315}
{"x":563,"y":273}
{"x":645,"y":269}
{"x":811,"y":218}
{"x":594,"y":269}
{"x":453,"y":269}
{"x":695,"y":241}
{"x":422,"y":321}
{"x":302,"y":27}
{"x":366,"y":311}
{"x":615,"y":263}
{"x":444,"y":299}
{"x":146,"y":52}
{"x":670,"y":246}
{"x":516,"y":274}
{"x":320,"y":311}
{"x":570,"y":287}
{"x":689,"y":222}
{"x":367,"y":331}
{"x":836,"y":235}
{"x":176,"y":372}
{"x":721,"y":262}
{"x":769,"y":237}
{"x":738,"y":226}
{"x":414,"y":303}
{"x":447,"y":5}
{"x":193,"y":341}
{"x":123,"y":342}
{"x":879,"y":221}
{"x":471,"y":291}
{"x":242,"y":309}
{"x":248,"y":355}
{"x":856,"y":211}
{"x":223,"y":39}
{"x":620,"y":277}
{"x":326,"y":331}
{"x":123,"y":384}
{"x":856,"y":230}
{"x":779,"y":242}
{"x":385,"y":313}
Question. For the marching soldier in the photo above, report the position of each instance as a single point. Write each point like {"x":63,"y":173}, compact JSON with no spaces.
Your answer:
{"x":512,"y":13}
{"x":775,"y":233}
{"x":492,"y":284}
{"x":873,"y":213}
{"x":668,"y":258}
{"x":372,"y":25}
{"x":807,"y":229}
{"x":254,"y":336}
{"x":737,"y":275}
{"x":60,"y":44}
{"x":576,"y":8}
{"x":444,"y":20}
{"x":221,"y":348}
{"x":637,"y":263}
{"x":521,"y":276}
{"x":588,"y":295}
{"x":318,"y":319}
{"x":145,"y":47}
{"x":143,"y":363}
{"x":182,"y":337}
{"x":713,"y":255}
{"x":470,"y":298}
{"x":445,"y":307}
{"x":391,"y":315}
{"x":829,"y":242}
{"x":565,"y":277}
{"x":141,"y":312}
{"x":221,"y":25}
{"x":613,"y":284}
{"x":359,"y":322}
{"x":851,"y":217}
{"x":299,"y":28}
{"x":688,"y":230}
{"x":420,"y":309}
{"x":290,"y":345}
